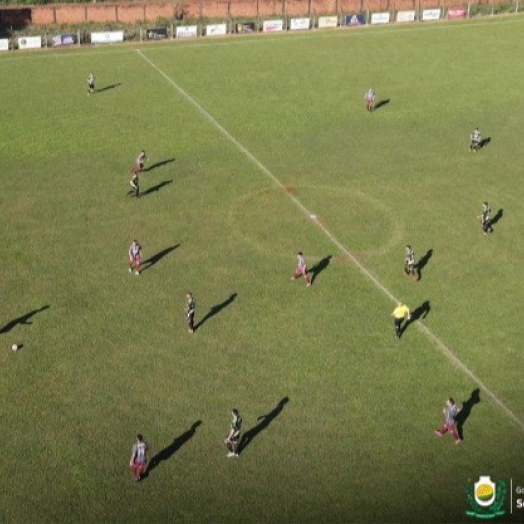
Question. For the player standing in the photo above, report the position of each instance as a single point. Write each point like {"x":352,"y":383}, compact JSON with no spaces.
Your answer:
{"x":450,"y":411}
{"x":190,"y":312}
{"x":139,"y":164}
{"x":135,"y":257}
{"x":369,"y":97}
{"x":138,"y":462}
{"x":485,"y":219}
{"x":409,"y":263}
{"x":233,"y":437}
{"x":301,"y":269}
{"x":474,"y":140}
{"x":90,"y":83}
{"x":135,"y":187}
{"x":400,"y":313}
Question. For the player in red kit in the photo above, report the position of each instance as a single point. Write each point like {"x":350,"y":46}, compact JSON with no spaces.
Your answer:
{"x":135,"y":257}
{"x":301,"y":269}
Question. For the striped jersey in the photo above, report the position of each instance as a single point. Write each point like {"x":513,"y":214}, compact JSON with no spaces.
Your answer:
{"x":410,"y":257}
{"x":236,"y":425}
{"x":190,"y":305}
{"x":475,"y":136}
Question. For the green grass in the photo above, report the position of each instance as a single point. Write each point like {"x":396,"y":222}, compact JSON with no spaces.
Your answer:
{"x":110,"y":356}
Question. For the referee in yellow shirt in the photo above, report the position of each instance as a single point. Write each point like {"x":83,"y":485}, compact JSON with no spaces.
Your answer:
{"x":400,"y":313}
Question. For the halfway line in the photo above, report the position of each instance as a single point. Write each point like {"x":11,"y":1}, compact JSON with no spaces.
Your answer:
{"x":424,"y":329}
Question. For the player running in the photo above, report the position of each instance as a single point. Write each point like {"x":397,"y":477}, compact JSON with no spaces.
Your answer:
{"x":90,"y":83}
{"x":138,"y":462}
{"x":139,"y":163}
{"x":369,"y":97}
{"x":474,"y":140}
{"x":135,"y":257}
{"x":409,"y":263}
{"x":232,"y":440}
{"x":135,"y":186}
{"x":190,"y":312}
{"x":301,"y":269}
{"x":485,"y":219}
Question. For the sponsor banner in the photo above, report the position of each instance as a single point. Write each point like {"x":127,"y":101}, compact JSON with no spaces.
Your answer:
{"x":354,"y":20}
{"x":327,"y":21}
{"x":380,"y":18}
{"x":61,"y":40}
{"x":297,"y":24}
{"x":30,"y":42}
{"x":216,"y":29}
{"x":431,"y":14}
{"x":4,"y":44}
{"x":108,"y":37}
{"x":456,"y":12}
{"x":187,"y":31}
{"x":245,"y":27}
{"x":406,"y":16}
{"x":156,"y":33}
{"x":269,"y":26}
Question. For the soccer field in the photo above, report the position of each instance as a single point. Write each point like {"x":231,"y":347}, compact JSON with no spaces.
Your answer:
{"x":258,"y":148}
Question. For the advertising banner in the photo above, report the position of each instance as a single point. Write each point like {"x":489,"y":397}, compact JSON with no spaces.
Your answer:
{"x":456,"y":12}
{"x":156,"y":33}
{"x":355,"y":20}
{"x":30,"y":42}
{"x":4,"y":44}
{"x":64,"y":40}
{"x":430,"y":14}
{"x":380,"y":18}
{"x":245,"y":27}
{"x":327,"y":21}
{"x":406,"y":16}
{"x":108,"y":37}
{"x":187,"y":31}
{"x":270,"y":26}
{"x":216,"y":30}
{"x":297,"y":24}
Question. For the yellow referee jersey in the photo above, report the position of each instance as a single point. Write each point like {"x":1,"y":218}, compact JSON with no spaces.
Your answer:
{"x":401,"y":311}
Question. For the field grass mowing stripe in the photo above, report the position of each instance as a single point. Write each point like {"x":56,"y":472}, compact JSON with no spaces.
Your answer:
{"x":446,"y":351}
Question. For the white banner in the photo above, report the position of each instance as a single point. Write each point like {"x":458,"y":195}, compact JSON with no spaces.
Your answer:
{"x":431,"y":14}
{"x":187,"y":31}
{"x":216,"y":30}
{"x":4,"y":44}
{"x":269,"y":26}
{"x":30,"y":42}
{"x":406,"y":16}
{"x":380,"y":18}
{"x":327,"y":21}
{"x":299,"y":23}
{"x":109,"y":37}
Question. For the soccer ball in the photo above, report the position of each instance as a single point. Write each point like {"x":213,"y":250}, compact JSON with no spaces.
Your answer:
{"x":14,"y":347}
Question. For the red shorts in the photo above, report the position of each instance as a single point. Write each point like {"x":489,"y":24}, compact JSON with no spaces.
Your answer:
{"x":301,"y":271}
{"x":134,"y":261}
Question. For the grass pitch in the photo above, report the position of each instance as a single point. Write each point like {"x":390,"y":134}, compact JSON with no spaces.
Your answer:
{"x":241,"y":134}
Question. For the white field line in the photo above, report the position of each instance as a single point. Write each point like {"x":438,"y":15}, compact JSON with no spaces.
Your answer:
{"x":259,"y":38}
{"x":445,"y":350}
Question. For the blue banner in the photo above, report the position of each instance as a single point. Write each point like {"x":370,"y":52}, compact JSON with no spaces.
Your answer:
{"x":357,"y":19}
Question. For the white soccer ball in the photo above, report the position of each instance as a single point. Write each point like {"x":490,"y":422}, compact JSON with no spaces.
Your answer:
{"x":14,"y":347}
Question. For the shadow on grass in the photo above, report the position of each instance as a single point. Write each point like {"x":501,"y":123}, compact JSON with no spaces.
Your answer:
{"x":319,"y":267}
{"x":381,"y":103}
{"x":170,"y":450}
{"x":417,"y":314}
{"x":497,"y":217}
{"x":23,"y":320}
{"x":156,"y":165}
{"x":465,"y":412}
{"x":423,"y":262}
{"x":106,"y":88}
{"x":156,"y":188}
{"x":265,"y":420}
{"x":215,"y":310}
{"x":150,"y":262}
{"x":484,"y":142}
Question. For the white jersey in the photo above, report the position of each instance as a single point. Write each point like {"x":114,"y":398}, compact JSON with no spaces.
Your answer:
{"x":139,"y":451}
{"x":134,"y":250}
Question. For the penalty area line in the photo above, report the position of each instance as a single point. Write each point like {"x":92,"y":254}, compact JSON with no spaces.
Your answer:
{"x":439,"y":344}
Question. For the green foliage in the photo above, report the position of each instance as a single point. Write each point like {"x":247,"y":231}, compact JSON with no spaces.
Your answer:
{"x":111,"y":355}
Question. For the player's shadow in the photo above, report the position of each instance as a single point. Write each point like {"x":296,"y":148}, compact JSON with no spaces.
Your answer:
{"x":319,"y":267}
{"x":151,"y":261}
{"x":417,"y":314}
{"x":265,"y":420}
{"x":381,"y":103}
{"x":497,"y":217}
{"x":106,"y":88}
{"x":155,"y":188}
{"x":170,"y":450}
{"x":215,"y":310}
{"x":24,"y":320}
{"x":465,"y":412}
{"x":484,"y":142}
{"x":423,"y":262}
{"x":159,"y":164}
